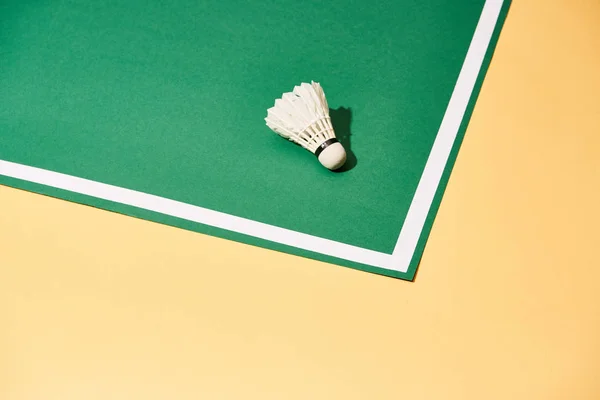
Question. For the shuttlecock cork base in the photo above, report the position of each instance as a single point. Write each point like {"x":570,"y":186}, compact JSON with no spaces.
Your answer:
{"x":302,"y":117}
{"x":331,"y":154}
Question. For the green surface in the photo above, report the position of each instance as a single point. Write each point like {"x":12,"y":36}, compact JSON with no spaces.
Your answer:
{"x":168,"y":98}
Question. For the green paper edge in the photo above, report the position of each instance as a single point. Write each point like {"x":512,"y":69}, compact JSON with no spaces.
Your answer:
{"x":437,"y":200}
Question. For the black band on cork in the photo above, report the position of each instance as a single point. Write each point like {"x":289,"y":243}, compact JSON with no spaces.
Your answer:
{"x":324,"y":145}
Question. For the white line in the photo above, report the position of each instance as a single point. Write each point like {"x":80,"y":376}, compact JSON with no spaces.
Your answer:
{"x":442,"y":147}
{"x":194,"y":213}
{"x":417,"y":214}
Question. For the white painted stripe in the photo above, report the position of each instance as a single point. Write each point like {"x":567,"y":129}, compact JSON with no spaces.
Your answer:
{"x":417,"y":214}
{"x":193,"y":213}
{"x":449,"y":128}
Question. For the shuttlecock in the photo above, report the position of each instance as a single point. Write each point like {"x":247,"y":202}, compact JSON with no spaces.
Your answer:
{"x":302,"y":117}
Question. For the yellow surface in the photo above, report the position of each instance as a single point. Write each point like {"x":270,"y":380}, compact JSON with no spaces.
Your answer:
{"x":506,"y":304}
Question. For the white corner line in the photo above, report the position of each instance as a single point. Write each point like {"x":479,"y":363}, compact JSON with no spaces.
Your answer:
{"x":413,"y":225}
{"x":446,"y":137}
{"x":194,"y":213}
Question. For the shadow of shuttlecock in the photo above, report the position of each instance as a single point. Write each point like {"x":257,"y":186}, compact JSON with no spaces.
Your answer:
{"x":341,"y":119}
